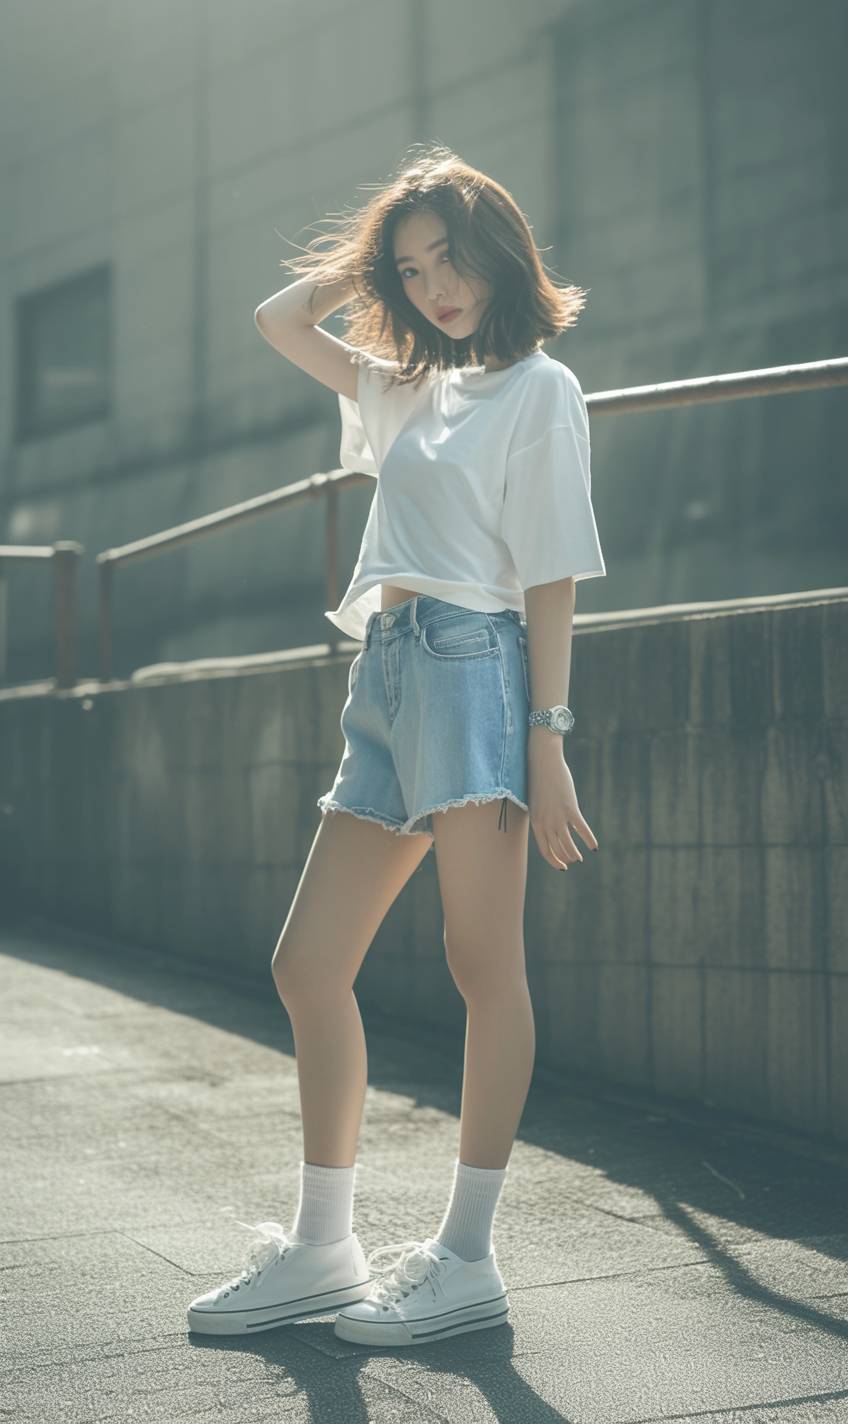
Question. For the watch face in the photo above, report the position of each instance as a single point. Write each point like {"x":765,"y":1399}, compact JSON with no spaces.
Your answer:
{"x":562,"y":719}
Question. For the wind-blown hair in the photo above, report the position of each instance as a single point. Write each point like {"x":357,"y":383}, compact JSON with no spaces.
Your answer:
{"x":490,"y":238}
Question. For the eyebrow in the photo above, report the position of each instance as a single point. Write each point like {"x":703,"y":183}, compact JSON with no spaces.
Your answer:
{"x":437,"y":243}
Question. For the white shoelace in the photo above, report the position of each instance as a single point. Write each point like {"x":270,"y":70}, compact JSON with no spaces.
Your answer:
{"x":416,"y":1263}
{"x":273,"y":1242}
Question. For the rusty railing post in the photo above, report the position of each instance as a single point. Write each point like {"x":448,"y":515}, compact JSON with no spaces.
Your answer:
{"x":66,"y":556}
{"x":105,"y":617}
{"x":4,"y":622}
{"x":331,"y":556}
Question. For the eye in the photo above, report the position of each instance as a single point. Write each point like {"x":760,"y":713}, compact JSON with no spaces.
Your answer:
{"x":447,"y":256}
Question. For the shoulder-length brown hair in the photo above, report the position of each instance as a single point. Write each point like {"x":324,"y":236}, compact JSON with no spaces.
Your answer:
{"x":490,"y":237}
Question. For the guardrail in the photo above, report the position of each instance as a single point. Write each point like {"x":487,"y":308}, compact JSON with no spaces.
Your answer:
{"x":325,"y":487}
{"x":64,"y":557}
{"x":733,"y":385}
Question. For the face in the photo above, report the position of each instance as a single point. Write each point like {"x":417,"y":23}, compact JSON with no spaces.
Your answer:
{"x":425,"y":267}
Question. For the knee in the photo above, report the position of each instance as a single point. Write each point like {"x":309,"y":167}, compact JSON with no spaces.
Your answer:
{"x":288,"y":978}
{"x":466,"y":964}
{"x":484,"y":967}
{"x":299,"y":976}
{"x":277,"y":973}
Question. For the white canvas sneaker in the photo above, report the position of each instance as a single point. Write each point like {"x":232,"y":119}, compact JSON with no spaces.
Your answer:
{"x":429,"y":1293}
{"x":282,"y":1280}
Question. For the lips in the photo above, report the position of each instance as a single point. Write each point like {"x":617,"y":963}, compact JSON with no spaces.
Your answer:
{"x":450,"y":314}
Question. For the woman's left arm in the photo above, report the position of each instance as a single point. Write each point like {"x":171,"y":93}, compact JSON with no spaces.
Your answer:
{"x":552,"y":798}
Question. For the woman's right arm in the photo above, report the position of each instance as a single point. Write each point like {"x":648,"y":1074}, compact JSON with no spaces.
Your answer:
{"x":289,"y":324}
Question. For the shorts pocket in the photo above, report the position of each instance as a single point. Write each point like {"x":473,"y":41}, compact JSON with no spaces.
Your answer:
{"x":461,"y":635}
{"x":353,"y":673}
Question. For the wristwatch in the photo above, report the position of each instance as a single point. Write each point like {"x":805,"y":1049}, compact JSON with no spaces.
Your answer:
{"x":558,"y":720}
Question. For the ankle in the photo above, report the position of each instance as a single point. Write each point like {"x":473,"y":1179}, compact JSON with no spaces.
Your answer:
{"x":325,"y":1207}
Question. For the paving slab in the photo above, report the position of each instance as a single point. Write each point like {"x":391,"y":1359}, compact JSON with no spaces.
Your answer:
{"x":664,"y":1261}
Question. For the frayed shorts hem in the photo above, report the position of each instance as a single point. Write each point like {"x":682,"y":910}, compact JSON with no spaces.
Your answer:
{"x":366,"y":813}
{"x":405,"y":828}
{"x":501,"y":794}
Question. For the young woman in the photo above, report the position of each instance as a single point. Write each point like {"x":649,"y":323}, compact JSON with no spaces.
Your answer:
{"x":462,"y":596}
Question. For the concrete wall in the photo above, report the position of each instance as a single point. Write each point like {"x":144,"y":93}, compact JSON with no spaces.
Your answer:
{"x":702,"y":953}
{"x":683,"y":160}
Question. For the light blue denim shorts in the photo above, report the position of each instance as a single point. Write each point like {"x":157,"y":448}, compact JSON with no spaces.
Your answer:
{"x":435,"y":716}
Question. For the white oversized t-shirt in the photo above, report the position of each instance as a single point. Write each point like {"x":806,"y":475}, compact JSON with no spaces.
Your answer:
{"x":483,"y":484}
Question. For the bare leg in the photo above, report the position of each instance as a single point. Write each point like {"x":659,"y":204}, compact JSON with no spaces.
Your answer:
{"x":482,"y":878}
{"x":354,"y":872}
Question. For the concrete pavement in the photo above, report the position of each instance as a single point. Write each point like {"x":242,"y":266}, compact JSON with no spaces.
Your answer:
{"x":662,"y":1262}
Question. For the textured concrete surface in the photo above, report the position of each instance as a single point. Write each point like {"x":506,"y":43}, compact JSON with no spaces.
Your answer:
{"x":661,"y":1264}
{"x":702,"y":954}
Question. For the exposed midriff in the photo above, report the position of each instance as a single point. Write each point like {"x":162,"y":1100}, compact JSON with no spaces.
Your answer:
{"x":390,"y":593}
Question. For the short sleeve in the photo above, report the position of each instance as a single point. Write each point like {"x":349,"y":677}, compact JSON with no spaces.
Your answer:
{"x":548,"y":523}
{"x":371,"y":423}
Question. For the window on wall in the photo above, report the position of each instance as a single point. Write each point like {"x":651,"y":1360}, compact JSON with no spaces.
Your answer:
{"x":62,"y":345}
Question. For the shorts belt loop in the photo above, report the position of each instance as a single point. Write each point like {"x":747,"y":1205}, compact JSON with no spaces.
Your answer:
{"x":412,"y":609}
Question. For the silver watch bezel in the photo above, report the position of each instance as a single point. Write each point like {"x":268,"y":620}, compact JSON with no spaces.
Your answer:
{"x":558,"y":719}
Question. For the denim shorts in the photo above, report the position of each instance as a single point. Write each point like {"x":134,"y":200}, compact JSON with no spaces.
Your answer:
{"x":436,"y":715}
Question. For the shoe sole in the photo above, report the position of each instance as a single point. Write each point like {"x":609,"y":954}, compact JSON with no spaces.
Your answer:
{"x":268,"y":1317}
{"x":363,"y":1332}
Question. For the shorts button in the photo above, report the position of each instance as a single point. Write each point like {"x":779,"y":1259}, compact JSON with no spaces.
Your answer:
{"x":389,"y":619}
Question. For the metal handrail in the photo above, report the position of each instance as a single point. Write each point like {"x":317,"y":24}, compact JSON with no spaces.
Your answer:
{"x":64,"y":556}
{"x":319,"y":486}
{"x":733,"y":385}
{"x":730,"y":385}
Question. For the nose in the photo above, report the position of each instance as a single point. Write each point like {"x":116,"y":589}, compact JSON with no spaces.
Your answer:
{"x":436,"y":295}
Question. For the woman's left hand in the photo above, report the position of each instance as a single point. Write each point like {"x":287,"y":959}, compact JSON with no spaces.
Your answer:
{"x":553,"y":804}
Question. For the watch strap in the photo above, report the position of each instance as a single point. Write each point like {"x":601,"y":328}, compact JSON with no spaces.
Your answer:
{"x":558,"y":719}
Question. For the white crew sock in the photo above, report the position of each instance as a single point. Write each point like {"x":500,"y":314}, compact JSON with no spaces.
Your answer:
{"x":466,"y":1228}
{"x":325,"y":1209}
